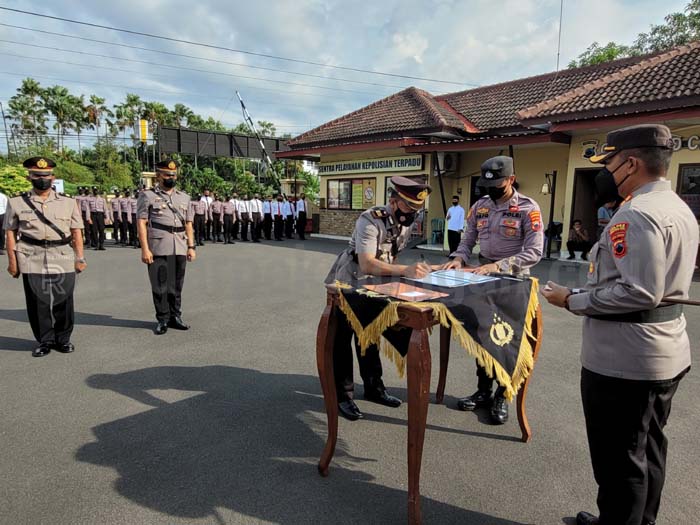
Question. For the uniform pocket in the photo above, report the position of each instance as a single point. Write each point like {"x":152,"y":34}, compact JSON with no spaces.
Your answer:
{"x":510,"y":228}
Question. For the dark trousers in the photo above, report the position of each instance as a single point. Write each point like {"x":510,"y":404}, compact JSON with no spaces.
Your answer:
{"x":370,"y":364}
{"x":235,"y":230}
{"x":279,"y":227}
{"x":207,"y":227}
{"x":125,"y":230}
{"x":50,"y":306}
{"x":578,"y":246}
{"x":167,"y":275}
{"x":485,"y":383}
{"x":301,"y":225}
{"x":133,"y":232}
{"x":625,"y":420}
{"x":289,"y":226}
{"x":228,"y":228}
{"x":87,"y":230}
{"x":256,"y":226}
{"x":245,"y":220}
{"x":453,"y":239}
{"x":2,"y":231}
{"x":116,"y":227}
{"x":199,"y":228}
{"x":98,"y":229}
{"x":216,"y":227}
{"x":267,"y":226}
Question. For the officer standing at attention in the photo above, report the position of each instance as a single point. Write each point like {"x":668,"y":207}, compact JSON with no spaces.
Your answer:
{"x":48,"y":254}
{"x":125,"y":208}
{"x":267,"y":218}
{"x":380,"y":234}
{"x":199,"y":208}
{"x":278,"y":215}
{"x":133,"y":204}
{"x":288,"y":212}
{"x":243,"y":207}
{"x":98,"y":208}
{"x":302,"y":206}
{"x":116,"y":215}
{"x":635,"y":346}
{"x":217,"y":208}
{"x":229,"y":212}
{"x":79,"y":200}
{"x":255,"y":205}
{"x":167,"y":243}
{"x":508,"y":226}
{"x":88,"y":198}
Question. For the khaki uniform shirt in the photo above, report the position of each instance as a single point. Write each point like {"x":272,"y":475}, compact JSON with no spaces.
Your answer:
{"x":509,"y":234}
{"x":64,"y":213}
{"x":375,"y":233}
{"x":646,"y":253}
{"x":153,"y":206}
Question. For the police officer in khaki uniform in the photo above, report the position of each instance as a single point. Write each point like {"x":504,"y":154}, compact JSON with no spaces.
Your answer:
{"x":508,"y":226}
{"x":98,"y":209}
{"x":45,"y":246}
{"x":167,"y":242}
{"x":635,"y":346}
{"x":380,"y":234}
{"x":116,"y":216}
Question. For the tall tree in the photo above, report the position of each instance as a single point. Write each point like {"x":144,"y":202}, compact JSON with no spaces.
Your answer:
{"x":96,"y":110}
{"x":61,"y":104}
{"x":181,"y":113}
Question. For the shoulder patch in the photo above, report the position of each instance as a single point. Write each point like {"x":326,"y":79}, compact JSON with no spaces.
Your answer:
{"x":618,"y":238}
{"x":535,"y":220}
{"x":379,"y":213}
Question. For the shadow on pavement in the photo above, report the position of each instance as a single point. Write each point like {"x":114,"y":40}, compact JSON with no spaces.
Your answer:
{"x":16,"y":344}
{"x":82,"y":318}
{"x":241,"y":440}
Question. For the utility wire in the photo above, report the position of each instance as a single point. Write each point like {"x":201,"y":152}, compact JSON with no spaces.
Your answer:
{"x":213,"y":46}
{"x":195,"y":57}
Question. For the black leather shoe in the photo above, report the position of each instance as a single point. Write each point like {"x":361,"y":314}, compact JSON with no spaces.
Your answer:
{"x":65,"y":348}
{"x":584,"y":518}
{"x":41,"y":350}
{"x":480,"y":398}
{"x":499,"y":410}
{"x":349,"y":410}
{"x":102,"y":248}
{"x":161,"y":328}
{"x":380,"y":396}
{"x":177,"y":324}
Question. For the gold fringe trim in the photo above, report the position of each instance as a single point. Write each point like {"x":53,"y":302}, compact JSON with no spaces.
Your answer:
{"x":372,"y":334}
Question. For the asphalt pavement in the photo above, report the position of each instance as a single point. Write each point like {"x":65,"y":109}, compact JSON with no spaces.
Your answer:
{"x":224,"y":424}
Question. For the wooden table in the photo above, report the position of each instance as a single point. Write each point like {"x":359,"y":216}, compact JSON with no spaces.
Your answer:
{"x":418,"y":366}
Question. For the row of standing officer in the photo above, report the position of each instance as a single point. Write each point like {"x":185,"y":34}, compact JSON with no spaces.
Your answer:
{"x":97,"y":213}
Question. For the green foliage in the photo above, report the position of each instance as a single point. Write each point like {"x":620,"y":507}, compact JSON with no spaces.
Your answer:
{"x":13,"y":180}
{"x":677,"y":29}
{"x":73,"y":172}
{"x":312,"y":188}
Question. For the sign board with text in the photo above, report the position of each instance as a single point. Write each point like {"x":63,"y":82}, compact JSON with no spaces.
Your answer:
{"x":381,"y":165}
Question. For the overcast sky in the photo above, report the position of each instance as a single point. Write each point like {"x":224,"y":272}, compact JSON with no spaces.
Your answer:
{"x":470,"y":42}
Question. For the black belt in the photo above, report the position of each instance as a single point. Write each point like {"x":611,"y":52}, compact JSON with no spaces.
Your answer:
{"x":484,"y":260}
{"x":44,"y":243}
{"x":166,"y":228}
{"x":660,"y":314}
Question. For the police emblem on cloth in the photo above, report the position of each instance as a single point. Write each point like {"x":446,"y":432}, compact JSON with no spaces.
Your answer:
{"x":501,"y":332}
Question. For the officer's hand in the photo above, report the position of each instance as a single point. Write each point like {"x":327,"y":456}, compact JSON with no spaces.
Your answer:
{"x":191,"y":255}
{"x":556,"y":294}
{"x":146,"y":256}
{"x":487,"y":268}
{"x":13,"y":269}
{"x":455,"y":263}
{"x":417,"y":270}
{"x":80,"y":266}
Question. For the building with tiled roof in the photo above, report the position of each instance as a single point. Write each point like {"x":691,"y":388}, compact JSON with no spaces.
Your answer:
{"x":549,"y":123}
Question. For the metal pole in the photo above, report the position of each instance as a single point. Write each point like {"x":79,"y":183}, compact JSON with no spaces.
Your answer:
{"x":154,"y":146}
{"x":553,"y":192}
{"x":442,"y":189}
{"x":7,"y":135}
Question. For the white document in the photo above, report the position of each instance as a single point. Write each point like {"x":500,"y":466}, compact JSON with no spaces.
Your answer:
{"x":453,"y":278}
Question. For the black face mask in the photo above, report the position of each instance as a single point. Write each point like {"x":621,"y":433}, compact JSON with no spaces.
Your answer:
{"x":605,"y":185}
{"x":455,"y":203}
{"x":496,"y":193}
{"x":404,"y":219}
{"x":42,"y":183}
{"x":169,"y":182}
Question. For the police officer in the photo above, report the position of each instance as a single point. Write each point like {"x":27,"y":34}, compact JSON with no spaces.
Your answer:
{"x":508,"y":226}
{"x":256,"y":207}
{"x":133,"y":211}
{"x":288,"y":211}
{"x":635,"y":346}
{"x":125,"y":209}
{"x":229,"y":212}
{"x":116,"y":216}
{"x":277,"y":208}
{"x":98,"y":208}
{"x":199,"y":208}
{"x":300,"y":212}
{"x":86,"y":209}
{"x":79,"y":200}
{"x":217,"y":208}
{"x":267,"y":218}
{"x":380,"y":233}
{"x":167,"y":242}
{"x":243,"y":207}
{"x":48,"y":254}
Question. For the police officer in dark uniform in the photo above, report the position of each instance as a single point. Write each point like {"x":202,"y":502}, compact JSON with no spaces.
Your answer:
{"x":165,"y":218}
{"x":635,"y":347}
{"x":380,"y":233}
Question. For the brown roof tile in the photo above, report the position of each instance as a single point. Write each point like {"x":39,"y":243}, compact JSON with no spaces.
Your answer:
{"x":663,"y":81}
{"x":399,"y":114}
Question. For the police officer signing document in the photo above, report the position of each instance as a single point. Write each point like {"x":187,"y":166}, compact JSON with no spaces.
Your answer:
{"x":45,"y":245}
{"x":380,"y":233}
{"x":635,"y":346}
{"x":167,"y":242}
{"x":508,"y":226}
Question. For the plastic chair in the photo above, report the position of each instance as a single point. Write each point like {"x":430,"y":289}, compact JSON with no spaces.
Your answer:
{"x":437,"y":227}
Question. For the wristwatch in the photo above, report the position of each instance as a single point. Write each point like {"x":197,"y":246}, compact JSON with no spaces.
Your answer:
{"x":192,"y":248}
{"x":81,"y":260}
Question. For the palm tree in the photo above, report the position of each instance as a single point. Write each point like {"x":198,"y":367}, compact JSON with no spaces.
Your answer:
{"x":95,"y":111}
{"x":31,"y":89}
{"x":61,"y":104}
{"x":180,"y":113}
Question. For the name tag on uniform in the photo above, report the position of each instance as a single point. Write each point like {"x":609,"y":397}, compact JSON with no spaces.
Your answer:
{"x":482,"y":223}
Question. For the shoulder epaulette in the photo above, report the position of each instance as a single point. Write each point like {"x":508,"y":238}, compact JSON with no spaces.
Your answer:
{"x":379,"y":212}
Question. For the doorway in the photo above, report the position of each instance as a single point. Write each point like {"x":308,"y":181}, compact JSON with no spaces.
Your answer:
{"x":584,"y":201}
{"x":475,"y":192}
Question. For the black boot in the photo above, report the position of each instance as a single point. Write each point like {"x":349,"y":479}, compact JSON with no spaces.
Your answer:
{"x":376,"y":392}
{"x":480,"y":398}
{"x":499,"y":410}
